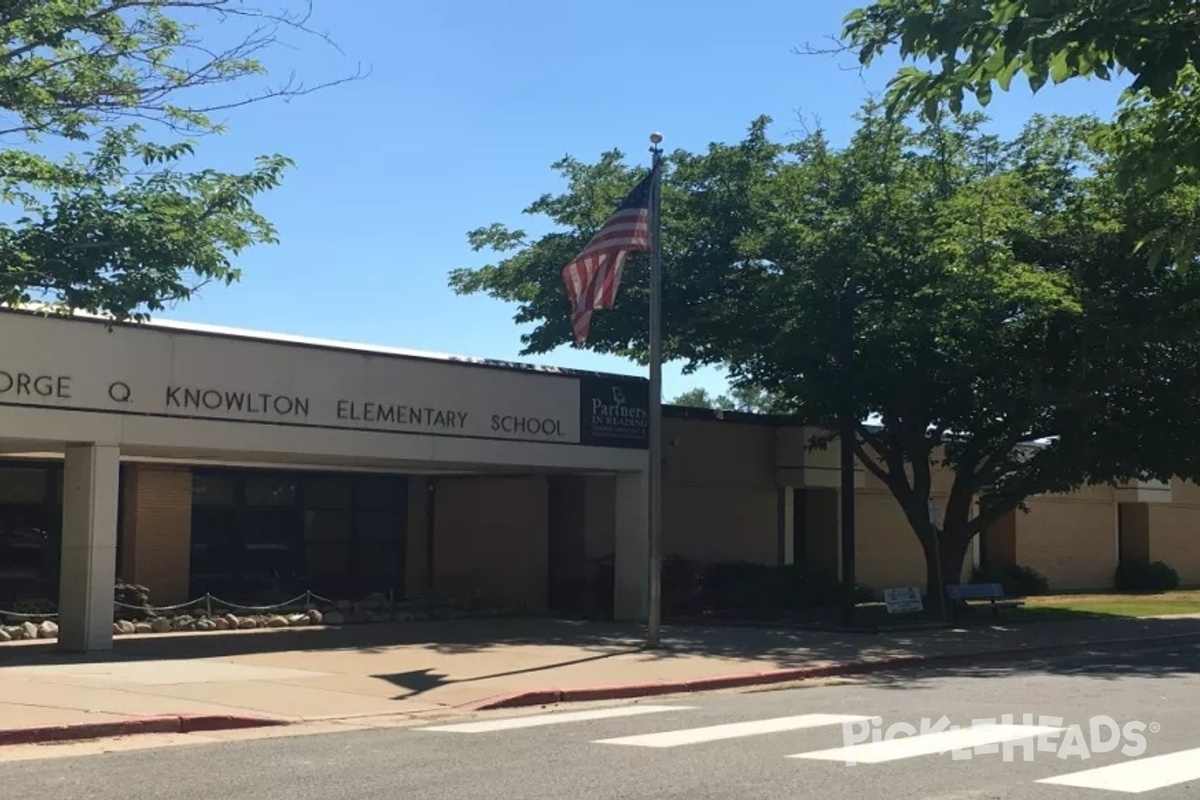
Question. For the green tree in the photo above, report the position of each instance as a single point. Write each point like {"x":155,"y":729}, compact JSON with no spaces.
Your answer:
{"x":700,"y":398}
{"x":1007,"y":330}
{"x":121,"y":225}
{"x":973,"y":47}
{"x":744,"y":397}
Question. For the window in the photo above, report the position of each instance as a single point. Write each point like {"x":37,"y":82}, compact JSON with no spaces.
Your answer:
{"x":30,"y":531}
{"x":257,"y":532}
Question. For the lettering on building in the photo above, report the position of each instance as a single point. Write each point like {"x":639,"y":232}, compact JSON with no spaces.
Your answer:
{"x":529,"y":426}
{"x":614,"y":414}
{"x":27,"y":384}
{"x":228,"y":400}
{"x":401,"y":415}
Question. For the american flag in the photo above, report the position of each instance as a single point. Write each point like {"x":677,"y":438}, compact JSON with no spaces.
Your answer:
{"x":593,"y":277}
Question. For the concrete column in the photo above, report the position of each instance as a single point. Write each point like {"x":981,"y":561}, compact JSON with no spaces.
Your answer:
{"x":631,"y":547}
{"x":787,"y":525}
{"x":89,"y":547}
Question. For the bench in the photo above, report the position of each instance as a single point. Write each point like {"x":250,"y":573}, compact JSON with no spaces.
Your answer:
{"x":961,"y":594}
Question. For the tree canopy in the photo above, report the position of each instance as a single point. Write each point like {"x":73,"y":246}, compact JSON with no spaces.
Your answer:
{"x":1007,"y":327}
{"x":973,"y":47}
{"x":120,"y":224}
{"x":745,"y":398}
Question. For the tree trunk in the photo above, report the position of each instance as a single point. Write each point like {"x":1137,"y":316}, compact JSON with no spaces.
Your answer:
{"x":943,"y":567}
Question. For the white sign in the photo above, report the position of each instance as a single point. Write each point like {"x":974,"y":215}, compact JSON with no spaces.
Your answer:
{"x":163,"y":372}
{"x":905,"y":600}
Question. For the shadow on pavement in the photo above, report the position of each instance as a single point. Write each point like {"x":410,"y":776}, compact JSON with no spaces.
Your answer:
{"x":570,"y":642}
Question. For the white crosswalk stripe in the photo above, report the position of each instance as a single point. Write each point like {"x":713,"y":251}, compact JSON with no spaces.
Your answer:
{"x":928,"y":744}
{"x":733,"y":730}
{"x":1138,"y":776}
{"x":554,"y":718}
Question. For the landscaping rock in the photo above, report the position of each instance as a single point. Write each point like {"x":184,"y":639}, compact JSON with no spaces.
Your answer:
{"x":233,"y":621}
{"x":5,"y":636}
{"x":246,"y":623}
{"x":334,"y":618}
{"x":205,"y":624}
{"x":29,"y":630}
{"x":124,"y":626}
{"x":295,"y":620}
{"x":142,"y":627}
{"x":314,"y":617}
{"x":222,"y":624}
{"x":184,"y":623}
{"x":277,"y":622}
{"x":160,"y":625}
{"x":48,"y":630}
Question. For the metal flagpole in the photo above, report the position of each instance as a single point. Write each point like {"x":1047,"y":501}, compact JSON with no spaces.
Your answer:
{"x":654,"y":579}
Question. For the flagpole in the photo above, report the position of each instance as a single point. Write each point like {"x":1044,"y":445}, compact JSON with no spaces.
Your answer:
{"x":654,"y":528}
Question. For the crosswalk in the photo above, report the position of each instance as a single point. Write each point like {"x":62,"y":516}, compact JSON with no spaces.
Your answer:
{"x":1137,"y":775}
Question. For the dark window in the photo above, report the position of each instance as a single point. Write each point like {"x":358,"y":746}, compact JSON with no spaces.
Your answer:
{"x":257,"y":533}
{"x":30,"y":531}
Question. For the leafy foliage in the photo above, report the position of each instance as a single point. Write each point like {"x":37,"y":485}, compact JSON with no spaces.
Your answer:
{"x":1142,"y":576}
{"x":745,"y":398}
{"x":973,"y":47}
{"x":1007,"y":327}
{"x":1016,"y":580}
{"x":122,"y":227}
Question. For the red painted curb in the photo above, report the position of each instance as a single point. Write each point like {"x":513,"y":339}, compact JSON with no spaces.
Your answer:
{"x":177,"y":723}
{"x":630,"y":690}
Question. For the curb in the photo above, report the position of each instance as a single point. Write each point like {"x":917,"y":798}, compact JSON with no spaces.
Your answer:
{"x":174,"y":723}
{"x":542,"y":697}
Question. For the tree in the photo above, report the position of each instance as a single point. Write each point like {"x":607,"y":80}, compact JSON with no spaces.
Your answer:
{"x":124,"y":226}
{"x":744,"y":397}
{"x":976,"y":46}
{"x":700,"y":398}
{"x":1007,"y":329}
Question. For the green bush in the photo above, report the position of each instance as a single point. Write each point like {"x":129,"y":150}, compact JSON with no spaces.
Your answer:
{"x":692,"y":588}
{"x":1142,"y":576}
{"x":1017,"y":580}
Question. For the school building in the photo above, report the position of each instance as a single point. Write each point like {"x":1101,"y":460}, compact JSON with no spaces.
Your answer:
{"x":194,"y":459}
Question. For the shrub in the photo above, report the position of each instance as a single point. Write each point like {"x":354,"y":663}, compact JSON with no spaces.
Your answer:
{"x":1142,"y":576}
{"x":131,"y":594}
{"x":1017,"y":580}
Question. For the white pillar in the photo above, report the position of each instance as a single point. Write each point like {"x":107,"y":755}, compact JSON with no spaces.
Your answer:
{"x":787,"y":528}
{"x":89,"y":547}
{"x":631,"y":547}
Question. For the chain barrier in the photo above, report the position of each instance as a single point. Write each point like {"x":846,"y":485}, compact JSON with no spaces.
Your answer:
{"x":208,"y":601}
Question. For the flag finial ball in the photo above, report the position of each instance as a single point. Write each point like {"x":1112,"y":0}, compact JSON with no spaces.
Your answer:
{"x":655,"y":137}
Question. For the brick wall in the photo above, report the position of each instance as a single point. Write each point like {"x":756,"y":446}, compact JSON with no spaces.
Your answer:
{"x":1070,"y":539}
{"x":156,"y":530}
{"x":720,"y":501}
{"x":1175,"y":539}
{"x":491,"y":537}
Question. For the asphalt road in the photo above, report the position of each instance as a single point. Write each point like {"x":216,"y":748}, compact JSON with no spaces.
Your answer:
{"x":677,"y":750}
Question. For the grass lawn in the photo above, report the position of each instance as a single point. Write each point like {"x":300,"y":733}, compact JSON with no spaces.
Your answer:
{"x":1109,"y":605}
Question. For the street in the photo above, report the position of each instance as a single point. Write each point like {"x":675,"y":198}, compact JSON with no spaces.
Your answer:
{"x":1138,"y":708}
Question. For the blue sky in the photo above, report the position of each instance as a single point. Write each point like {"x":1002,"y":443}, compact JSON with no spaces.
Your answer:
{"x":466,"y":106}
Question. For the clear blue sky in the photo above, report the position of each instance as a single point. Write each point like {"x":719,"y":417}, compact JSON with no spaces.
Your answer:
{"x":467,"y":104}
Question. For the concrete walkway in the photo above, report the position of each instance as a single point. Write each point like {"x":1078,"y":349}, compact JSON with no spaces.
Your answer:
{"x":427,"y":669}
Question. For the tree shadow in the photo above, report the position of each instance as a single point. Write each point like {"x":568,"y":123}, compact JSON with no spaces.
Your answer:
{"x":734,"y":648}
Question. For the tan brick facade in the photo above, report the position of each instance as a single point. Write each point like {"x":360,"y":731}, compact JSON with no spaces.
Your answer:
{"x":156,"y":530}
{"x":502,"y":537}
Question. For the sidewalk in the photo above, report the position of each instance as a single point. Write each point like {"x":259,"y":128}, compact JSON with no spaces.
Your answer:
{"x":420,"y":669}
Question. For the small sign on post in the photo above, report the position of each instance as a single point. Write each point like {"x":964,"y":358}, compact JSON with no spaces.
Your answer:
{"x":904,"y":600}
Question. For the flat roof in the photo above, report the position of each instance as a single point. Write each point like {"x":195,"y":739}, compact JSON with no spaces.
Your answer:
{"x":221,"y":331}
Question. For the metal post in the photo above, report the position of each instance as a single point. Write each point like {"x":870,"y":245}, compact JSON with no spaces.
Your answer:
{"x":430,"y":528}
{"x":654,"y":527}
{"x":846,"y":437}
